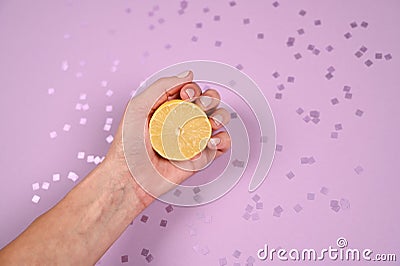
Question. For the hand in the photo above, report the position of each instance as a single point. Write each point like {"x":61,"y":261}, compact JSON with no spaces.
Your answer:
{"x":140,"y":110}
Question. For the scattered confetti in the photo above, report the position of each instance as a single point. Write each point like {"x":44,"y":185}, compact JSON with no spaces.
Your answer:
{"x":324,"y":190}
{"x":45,"y":185}
{"x":53,"y":134}
{"x":299,"y":110}
{"x":297,"y":208}
{"x":35,"y":198}
{"x":334,"y":101}
{"x":302,"y":13}
{"x":358,"y":170}
{"x":259,"y":205}
{"x":359,"y":112}
{"x":334,"y":135}
{"x":73,"y":176}
{"x":290,"y":175}
{"x":310,"y":196}
{"x":109,"y":108}
{"x":163,"y":223}
{"x":222,"y":262}
{"x":124,"y":258}
{"x":145,"y":252}
{"x":344,"y":204}
{"x":109,"y":139}
{"x":169,"y":208}
{"x":278,"y":147}
{"x":149,"y":258}
{"x":50,"y":91}
{"x":35,"y":186}
{"x":56,"y":177}
{"x":236,"y":254}
{"x":83,"y":121}
{"x":256,"y":198}
{"x":144,"y":218}
{"x":67,"y":127}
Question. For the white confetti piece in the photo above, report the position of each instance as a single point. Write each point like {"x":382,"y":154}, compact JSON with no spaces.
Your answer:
{"x":110,"y":138}
{"x":85,"y":107}
{"x":97,"y":160}
{"x":109,"y":93}
{"x":90,"y":158}
{"x":64,"y":65}
{"x":56,"y":177}
{"x":109,"y":121}
{"x":78,"y":106}
{"x":53,"y":134}
{"x":35,"y":199}
{"x":109,"y":108}
{"x":45,"y":185}
{"x":104,"y":83}
{"x":113,"y":69}
{"x":67,"y":127}
{"x":81,"y":155}
{"x":83,"y":121}
{"x":78,"y":74}
{"x":83,"y":96}
{"x":73,"y":176}
{"x":107,"y":127}
{"x":50,"y":91}
{"x":35,"y":186}
{"x":116,"y":62}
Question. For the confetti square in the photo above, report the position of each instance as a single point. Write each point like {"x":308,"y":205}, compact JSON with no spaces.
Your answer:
{"x":53,"y":134}
{"x":124,"y":258}
{"x":358,"y":170}
{"x":56,"y":177}
{"x":109,"y":108}
{"x":50,"y":91}
{"x":223,"y":262}
{"x":149,"y":258}
{"x":163,"y":223}
{"x":347,"y":35}
{"x":169,"y":208}
{"x":297,"y":56}
{"x":359,"y":112}
{"x":364,"y":24}
{"x":67,"y":127}
{"x":259,"y":205}
{"x":144,"y":218}
{"x":324,"y":190}
{"x":378,"y":56}
{"x":218,"y":44}
{"x":334,"y":101}
{"x":281,"y":87}
{"x":278,"y":96}
{"x":236,"y":254}
{"x":310,"y":196}
{"x":297,"y":208}
{"x":317,"y":22}
{"x":299,"y":110}
{"x":290,"y":175}
{"x":275,"y":4}
{"x":81,"y":155}
{"x":249,"y":208}
{"x":256,"y":198}
{"x":358,"y":54}
{"x":255,"y":217}
{"x":338,"y":126}
{"x":290,"y":79}
{"x":246,"y":21}
{"x":35,"y":199}
{"x":329,"y":48}
{"x":45,"y":185}
{"x":300,"y":31}
{"x":260,"y":35}
{"x":109,"y":139}
{"x":344,"y":204}
{"x":177,"y":193}
{"x":302,"y":13}
{"x":329,"y":76}
{"x":315,"y":120}
{"x":363,"y":49}
{"x":334,"y":135}
{"x":278,"y":147}
{"x":353,"y":24}
{"x":246,"y":216}
{"x":275,"y":74}
{"x":348,"y":95}
{"x":388,"y":56}
{"x":368,"y":63}
{"x":35,"y":186}
{"x":72,"y":176}
{"x":144,"y":252}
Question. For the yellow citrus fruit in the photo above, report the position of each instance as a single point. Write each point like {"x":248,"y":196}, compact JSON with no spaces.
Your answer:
{"x":179,"y":130}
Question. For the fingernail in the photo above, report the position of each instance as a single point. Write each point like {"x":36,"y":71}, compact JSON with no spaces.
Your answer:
{"x":215,"y":141}
{"x":190,"y":92}
{"x":205,"y":101}
{"x":217,"y":119}
{"x":183,"y":74}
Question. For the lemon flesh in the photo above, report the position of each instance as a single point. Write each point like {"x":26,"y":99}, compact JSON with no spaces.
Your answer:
{"x":179,"y":130}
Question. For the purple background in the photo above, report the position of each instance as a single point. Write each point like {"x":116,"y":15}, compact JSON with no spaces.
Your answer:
{"x":124,"y":42}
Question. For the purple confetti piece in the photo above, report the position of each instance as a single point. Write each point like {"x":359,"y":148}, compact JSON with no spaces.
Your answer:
{"x":359,"y":170}
{"x":315,"y":120}
{"x":260,"y":35}
{"x":184,"y":4}
{"x":363,"y":49}
{"x":329,"y":48}
{"x":278,"y":96}
{"x":206,"y":10}
{"x":347,"y":35}
{"x":281,"y":87}
{"x":234,"y":115}
{"x":297,"y":208}
{"x":177,"y":193}
{"x":316,"y":51}
{"x":144,"y":218}
{"x":196,"y":190}
{"x":169,"y":208}
{"x":368,"y":63}
{"x":306,"y":119}
{"x":364,"y":24}
{"x":317,"y":22}
{"x":275,"y":4}
{"x":311,"y":160}
{"x":324,"y":190}
{"x":359,"y":112}
{"x":310,"y":196}
{"x":299,"y":110}
{"x":302,"y":12}
{"x":335,"y":208}
{"x":334,"y":135}
{"x":259,"y":205}
{"x":236,"y":254}
{"x":238,"y":163}
{"x":297,"y":56}
{"x":358,"y":54}
{"x":232,"y":3}
{"x":348,"y":95}
{"x":304,"y":160}
{"x":278,"y":147}
{"x":290,"y":175}
{"x":276,"y":214}
{"x":149,"y":258}
{"x":353,"y":24}
{"x":344,"y":204}
{"x":199,"y":25}
{"x":346,"y":88}
{"x":290,"y":79}
{"x":198,"y":198}
{"x":240,"y":67}
{"x":378,"y":56}
{"x":334,"y":203}
{"x":275,"y":74}
{"x":217,"y":18}
{"x":329,"y":76}
{"x":310,"y":47}
{"x":314,"y":113}
{"x":256,"y":198}
{"x":300,"y":31}
{"x":194,"y":39}
{"x":249,"y":208}
{"x":246,"y":216}
{"x":218,"y":43}
{"x":255,"y":217}
{"x":223,"y":262}
{"x":144,"y":252}
{"x":338,"y":126}
{"x":290,"y":41}
{"x":163,"y":223}
{"x":124,"y":258}
{"x":388,"y":57}
{"x":246,"y":21}
{"x":278,"y":209}
{"x":331,"y":69}
{"x":251,"y":259}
